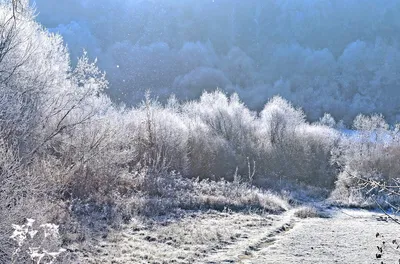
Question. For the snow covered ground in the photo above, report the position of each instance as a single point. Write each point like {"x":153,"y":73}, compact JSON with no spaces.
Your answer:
{"x":346,"y":236}
{"x":349,"y":236}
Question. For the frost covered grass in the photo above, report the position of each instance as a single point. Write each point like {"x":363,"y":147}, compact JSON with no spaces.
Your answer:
{"x":172,"y":192}
{"x":307,"y":212}
{"x":183,"y":237}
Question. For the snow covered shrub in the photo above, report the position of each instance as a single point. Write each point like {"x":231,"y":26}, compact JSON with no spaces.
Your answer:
{"x":86,"y":162}
{"x":158,"y":136}
{"x":216,"y":136}
{"x":76,"y":147}
{"x":23,"y":193}
{"x":156,"y":193}
{"x":292,"y":149}
{"x":222,"y":134}
{"x":370,"y":154}
{"x":160,"y":192}
{"x":279,"y":119}
{"x":10,"y":197}
{"x":308,"y":212}
{"x":278,"y":123}
{"x":210,"y":155}
{"x":313,"y":159}
{"x":236,"y":195}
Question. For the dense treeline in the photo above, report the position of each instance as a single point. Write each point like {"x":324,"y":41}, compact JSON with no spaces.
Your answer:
{"x":336,"y":56}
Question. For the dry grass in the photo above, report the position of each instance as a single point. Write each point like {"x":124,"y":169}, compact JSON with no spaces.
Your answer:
{"x":184,"y":237}
{"x":308,"y":212}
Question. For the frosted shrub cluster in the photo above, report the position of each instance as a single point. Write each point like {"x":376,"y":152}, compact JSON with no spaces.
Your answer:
{"x":218,"y":135}
{"x":367,"y":156}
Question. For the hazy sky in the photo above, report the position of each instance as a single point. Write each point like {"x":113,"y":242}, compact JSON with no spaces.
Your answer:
{"x":338,"y":56}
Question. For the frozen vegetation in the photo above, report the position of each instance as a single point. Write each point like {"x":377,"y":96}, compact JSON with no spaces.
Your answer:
{"x":336,"y":56}
{"x":186,"y":180}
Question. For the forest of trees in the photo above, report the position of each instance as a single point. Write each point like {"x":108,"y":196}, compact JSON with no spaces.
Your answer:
{"x":335,"y":56}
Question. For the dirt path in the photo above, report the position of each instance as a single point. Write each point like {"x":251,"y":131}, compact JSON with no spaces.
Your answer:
{"x":246,"y":249}
{"x":349,"y":236}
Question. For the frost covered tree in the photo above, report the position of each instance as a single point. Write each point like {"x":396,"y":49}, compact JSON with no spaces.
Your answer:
{"x":43,"y":102}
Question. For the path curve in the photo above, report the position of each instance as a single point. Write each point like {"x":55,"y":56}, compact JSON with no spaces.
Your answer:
{"x":348,"y":236}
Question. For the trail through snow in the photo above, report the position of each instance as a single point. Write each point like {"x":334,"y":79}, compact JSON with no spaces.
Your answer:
{"x":347,"y":236}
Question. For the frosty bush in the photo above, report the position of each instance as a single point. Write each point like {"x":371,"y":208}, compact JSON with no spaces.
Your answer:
{"x":368,"y":156}
{"x":292,"y":149}
{"x":159,"y":135}
{"x":155,"y":193}
{"x":225,"y":129}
